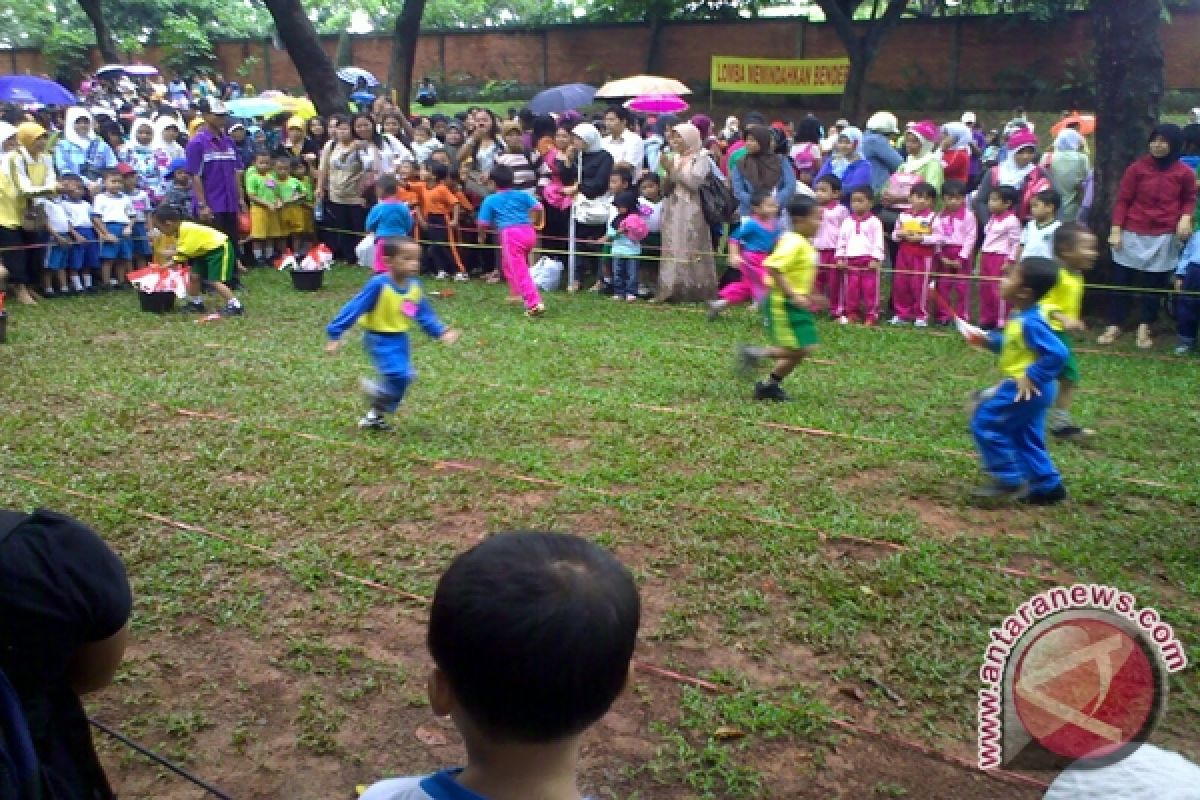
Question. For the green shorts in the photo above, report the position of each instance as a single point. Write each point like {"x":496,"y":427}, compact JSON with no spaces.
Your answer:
{"x":216,"y":266}
{"x":1070,"y":370}
{"x":788,"y":326}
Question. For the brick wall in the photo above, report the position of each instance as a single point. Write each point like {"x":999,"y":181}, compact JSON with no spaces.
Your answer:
{"x":923,"y":61}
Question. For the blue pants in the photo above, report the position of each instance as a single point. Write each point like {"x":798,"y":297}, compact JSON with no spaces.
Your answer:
{"x":1009,"y":437}
{"x":1187,"y":309}
{"x":390,"y":355}
{"x":625,"y":276}
{"x":394,"y":387}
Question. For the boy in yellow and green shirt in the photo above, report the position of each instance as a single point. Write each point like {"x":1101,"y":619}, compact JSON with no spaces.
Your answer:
{"x":1075,"y":250}
{"x":209,"y":255}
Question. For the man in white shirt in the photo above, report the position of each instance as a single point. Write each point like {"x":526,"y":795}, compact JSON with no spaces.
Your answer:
{"x":622,"y":144}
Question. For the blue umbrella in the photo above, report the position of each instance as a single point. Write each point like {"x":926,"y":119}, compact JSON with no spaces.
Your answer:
{"x":352,"y":75}
{"x":250,"y":107}
{"x":26,"y":89}
{"x":567,"y":97}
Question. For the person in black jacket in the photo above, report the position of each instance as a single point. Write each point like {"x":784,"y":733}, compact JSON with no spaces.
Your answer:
{"x":585,"y":169}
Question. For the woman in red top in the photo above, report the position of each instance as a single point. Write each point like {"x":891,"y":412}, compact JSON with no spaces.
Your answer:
{"x":956,"y":152}
{"x":1152,"y":213}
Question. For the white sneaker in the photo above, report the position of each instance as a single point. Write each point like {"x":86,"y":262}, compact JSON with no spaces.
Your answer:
{"x":895,"y":321}
{"x":443,"y":276}
{"x":1110,"y":335}
{"x":843,"y":320}
{"x":462,"y":277}
{"x":921,"y":324}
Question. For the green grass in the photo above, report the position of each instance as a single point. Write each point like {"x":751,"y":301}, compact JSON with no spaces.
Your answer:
{"x":730,"y":522}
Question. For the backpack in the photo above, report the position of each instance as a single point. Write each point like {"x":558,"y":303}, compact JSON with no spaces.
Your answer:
{"x":1034,"y":182}
{"x":717,"y":200}
{"x":20,"y":773}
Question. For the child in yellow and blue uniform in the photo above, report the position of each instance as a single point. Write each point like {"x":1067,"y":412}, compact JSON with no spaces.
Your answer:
{"x":1075,"y":249}
{"x":1008,"y":421}
{"x":387,"y":308}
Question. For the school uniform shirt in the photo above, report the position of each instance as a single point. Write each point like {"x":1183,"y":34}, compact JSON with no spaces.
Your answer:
{"x":507,"y":209}
{"x":833,"y":214}
{"x":391,"y":218}
{"x":755,"y":237}
{"x":1066,"y":297}
{"x":139,"y":202}
{"x":795,"y":259}
{"x":629,"y":149}
{"x":79,"y":213}
{"x":1027,"y":346}
{"x":957,"y":229}
{"x":1038,"y":240}
{"x":861,"y":237}
{"x":113,"y":209}
{"x":56,"y":215}
{"x":196,"y":240}
{"x":909,"y":222}
{"x":438,"y":786}
{"x":261,"y":188}
{"x":439,"y":200}
{"x":387,"y":311}
{"x":1002,"y":234}
{"x":215,"y":160}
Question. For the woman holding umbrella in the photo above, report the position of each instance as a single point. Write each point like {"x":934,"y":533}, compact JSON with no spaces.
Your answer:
{"x":26,"y":175}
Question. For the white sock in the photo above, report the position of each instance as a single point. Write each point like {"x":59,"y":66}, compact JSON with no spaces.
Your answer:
{"x":75,"y":284}
{"x":234,"y":303}
{"x":195,"y":300}
{"x":87,"y":280}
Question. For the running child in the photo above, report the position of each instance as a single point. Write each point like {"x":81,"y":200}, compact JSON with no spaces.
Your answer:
{"x":515,"y":215}
{"x":1008,"y":421}
{"x":140,"y":205}
{"x":831,"y":280}
{"x":1075,"y":249}
{"x":112,"y":216}
{"x":390,"y":218}
{"x":790,"y":302}
{"x":263,"y":197}
{"x":749,"y":245}
{"x":861,"y":249}
{"x":210,"y":258}
{"x":1037,"y":239}
{"x":955,"y":231}
{"x":914,"y":258}
{"x":513,"y":689}
{"x":1001,"y":238}
{"x":84,"y":256}
{"x":626,"y":230}
{"x":387,"y":308}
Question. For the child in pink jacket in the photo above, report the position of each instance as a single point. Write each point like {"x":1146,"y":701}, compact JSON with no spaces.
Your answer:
{"x":1001,"y":238}
{"x":955,"y":230}
{"x":914,"y":258}
{"x":860,"y":252}
{"x":831,"y":281}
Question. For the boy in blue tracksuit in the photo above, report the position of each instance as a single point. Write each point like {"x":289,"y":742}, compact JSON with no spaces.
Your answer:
{"x":1009,"y":420}
{"x":387,"y":307}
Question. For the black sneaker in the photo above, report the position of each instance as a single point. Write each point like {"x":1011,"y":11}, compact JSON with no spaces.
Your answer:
{"x":194,"y":307}
{"x":998,"y":491}
{"x":1071,"y":433}
{"x":770,"y":390}
{"x":375,"y":422}
{"x":1050,"y":497}
{"x":232,"y":311}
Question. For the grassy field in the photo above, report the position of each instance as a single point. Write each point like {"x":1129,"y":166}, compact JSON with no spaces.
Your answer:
{"x":788,"y":555}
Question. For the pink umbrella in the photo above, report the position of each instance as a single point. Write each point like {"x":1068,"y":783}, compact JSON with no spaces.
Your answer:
{"x":657,"y":104}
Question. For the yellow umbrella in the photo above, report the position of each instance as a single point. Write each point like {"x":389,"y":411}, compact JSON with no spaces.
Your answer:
{"x":292,"y":106}
{"x":638,"y":85}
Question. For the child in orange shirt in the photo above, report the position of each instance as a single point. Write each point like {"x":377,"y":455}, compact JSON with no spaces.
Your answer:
{"x":439,"y":220}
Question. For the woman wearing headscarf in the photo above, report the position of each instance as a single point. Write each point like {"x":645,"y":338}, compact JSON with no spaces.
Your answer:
{"x":26,"y":176}
{"x":297,"y":143}
{"x":1153,"y":212}
{"x":80,"y":151}
{"x":762,"y":170}
{"x":712,"y":144}
{"x":139,"y":154}
{"x":956,"y":144}
{"x":454,"y":139}
{"x":687,"y":272}
{"x":1020,"y":171}
{"x":585,"y":169}
{"x":847,"y":163}
{"x":877,"y":148}
{"x":166,"y":139}
{"x":1069,"y":168}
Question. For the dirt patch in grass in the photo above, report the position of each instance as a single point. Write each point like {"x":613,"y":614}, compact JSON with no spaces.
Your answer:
{"x":869,"y":478}
{"x":936,"y":520}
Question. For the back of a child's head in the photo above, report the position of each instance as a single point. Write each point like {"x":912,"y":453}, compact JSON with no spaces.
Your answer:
{"x":534,"y":633}
{"x":626,"y":200}
{"x":800,"y":206}
{"x":502,"y":176}
{"x":1068,"y":235}
{"x":954,"y":189}
{"x":1038,"y":275}
{"x":386,"y":185}
{"x":760,"y":196}
{"x":832,"y":181}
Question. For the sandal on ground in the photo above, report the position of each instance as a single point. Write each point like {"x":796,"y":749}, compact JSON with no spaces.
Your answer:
{"x":1110,"y":335}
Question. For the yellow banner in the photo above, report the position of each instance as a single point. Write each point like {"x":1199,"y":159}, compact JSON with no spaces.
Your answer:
{"x":780,"y":76}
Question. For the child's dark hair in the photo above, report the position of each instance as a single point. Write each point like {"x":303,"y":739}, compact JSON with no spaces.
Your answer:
{"x":1050,"y":197}
{"x":760,"y":196}
{"x":650,"y":177}
{"x":282,"y":158}
{"x":1007,"y":194}
{"x":625,"y":172}
{"x":299,"y":162}
{"x":502,"y":176}
{"x":1039,"y":275}
{"x":439,"y":171}
{"x":832,"y":181}
{"x":1068,"y":235}
{"x":865,"y":191}
{"x":923,"y":189}
{"x":392,"y":247}
{"x":954,"y":189}
{"x":534,"y":632}
{"x":386,"y":185}
{"x":167,"y":214}
{"x":260,"y":153}
{"x":801,"y":205}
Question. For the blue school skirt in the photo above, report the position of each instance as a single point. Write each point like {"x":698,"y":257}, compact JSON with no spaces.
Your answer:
{"x":121,"y":249}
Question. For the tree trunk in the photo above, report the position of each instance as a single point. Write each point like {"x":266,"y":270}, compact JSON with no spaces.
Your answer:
{"x":104,"y":39}
{"x":860,"y":49}
{"x":654,"y":47}
{"x":345,"y":51}
{"x":313,"y":64}
{"x":856,"y":80}
{"x":404,"y":51}
{"x":1129,"y":88}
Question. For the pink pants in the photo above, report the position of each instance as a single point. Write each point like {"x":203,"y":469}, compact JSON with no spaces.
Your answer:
{"x":953,"y":284}
{"x":830,"y":281}
{"x":910,"y":283}
{"x":862,"y":288}
{"x":991,"y":305}
{"x":752,"y":285}
{"x":516,"y":243}
{"x":380,"y":266}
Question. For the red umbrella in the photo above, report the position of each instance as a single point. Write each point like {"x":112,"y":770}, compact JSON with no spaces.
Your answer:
{"x":657,"y":104}
{"x":1085,"y":122}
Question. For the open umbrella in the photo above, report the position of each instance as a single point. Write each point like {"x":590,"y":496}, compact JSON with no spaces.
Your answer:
{"x":352,"y":75}
{"x":567,"y":97}
{"x":657,"y":104}
{"x":26,"y":89}
{"x":111,"y":71}
{"x":299,"y":106}
{"x":642,"y":85}
{"x":141,"y":70}
{"x":247,"y":107}
{"x":1086,"y":123}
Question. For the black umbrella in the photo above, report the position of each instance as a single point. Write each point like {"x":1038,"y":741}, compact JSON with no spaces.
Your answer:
{"x":567,"y":97}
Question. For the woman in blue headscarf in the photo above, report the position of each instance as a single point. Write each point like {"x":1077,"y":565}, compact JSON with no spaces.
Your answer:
{"x":847,"y":164}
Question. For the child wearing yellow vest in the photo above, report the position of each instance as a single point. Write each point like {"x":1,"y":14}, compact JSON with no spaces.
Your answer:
{"x":387,"y":308}
{"x":1075,"y":249}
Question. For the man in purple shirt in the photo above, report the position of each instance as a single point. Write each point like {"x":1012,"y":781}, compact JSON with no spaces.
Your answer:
{"x":212,"y":160}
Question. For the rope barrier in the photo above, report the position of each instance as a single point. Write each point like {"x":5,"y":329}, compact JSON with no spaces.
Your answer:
{"x":162,"y":761}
